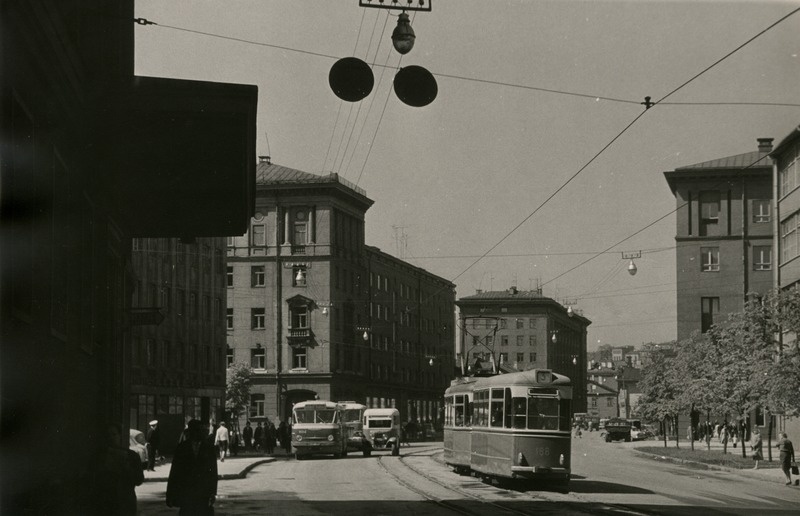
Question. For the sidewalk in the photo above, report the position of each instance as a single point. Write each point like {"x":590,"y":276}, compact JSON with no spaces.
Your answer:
{"x":233,"y":468}
{"x":767,"y":471}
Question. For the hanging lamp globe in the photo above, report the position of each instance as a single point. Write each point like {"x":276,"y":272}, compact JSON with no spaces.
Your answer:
{"x":403,"y":35}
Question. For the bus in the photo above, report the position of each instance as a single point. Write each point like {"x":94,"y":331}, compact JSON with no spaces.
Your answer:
{"x":353,"y":421}
{"x":519,"y":427}
{"x":318,"y":429}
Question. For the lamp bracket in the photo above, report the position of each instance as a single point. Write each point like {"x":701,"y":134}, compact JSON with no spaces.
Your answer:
{"x":401,"y":5}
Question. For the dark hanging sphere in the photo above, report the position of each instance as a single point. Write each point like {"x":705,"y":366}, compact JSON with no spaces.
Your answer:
{"x":415,"y":86}
{"x":351,"y":79}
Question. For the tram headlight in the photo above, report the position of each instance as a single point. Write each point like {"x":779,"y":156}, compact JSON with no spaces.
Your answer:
{"x":562,"y":459}
{"x":521,"y":460}
{"x":298,"y":437}
{"x":330,"y":437}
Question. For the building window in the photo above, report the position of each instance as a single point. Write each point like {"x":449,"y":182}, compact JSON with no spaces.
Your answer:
{"x":258,"y":358}
{"x":503,"y":358}
{"x":594,"y":402}
{"x":709,"y":259}
{"x":299,"y":358}
{"x":489,"y":340}
{"x":709,"y":212}
{"x":519,"y":340}
{"x":257,"y":405}
{"x":790,"y":174}
{"x":503,"y":323}
{"x":299,"y":276}
{"x":151,"y":352}
{"x":533,"y":357}
{"x":229,"y":276}
{"x":504,"y":340}
{"x":790,"y":239}
{"x":532,"y":340}
{"x":257,"y":319}
{"x":257,"y":276}
{"x":609,"y":402}
{"x":532,"y":323}
{"x":231,"y":241}
{"x":520,"y":323}
{"x":762,"y":211}
{"x":709,"y":307}
{"x":258,"y":235}
{"x":229,"y":318}
{"x":762,"y":257}
{"x":300,"y":236}
{"x":299,"y":317}
{"x":229,"y":357}
{"x":520,"y":357}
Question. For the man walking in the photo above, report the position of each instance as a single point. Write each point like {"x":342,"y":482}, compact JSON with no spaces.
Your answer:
{"x":192,"y":483}
{"x":221,"y":440}
{"x":153,"y":438}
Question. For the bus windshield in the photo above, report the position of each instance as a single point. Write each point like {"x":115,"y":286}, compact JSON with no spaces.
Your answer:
{"x":310,"y":415}
{"x":352,"y":416}
{"x":380,"y":423}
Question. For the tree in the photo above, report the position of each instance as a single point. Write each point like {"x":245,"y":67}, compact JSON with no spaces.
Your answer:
{"x":660,"y":387}
{"x":237,"y":391}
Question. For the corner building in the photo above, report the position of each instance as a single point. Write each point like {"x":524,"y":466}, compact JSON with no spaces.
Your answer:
{"x":317,"y":313}
{"x":525,"y":330}
{"x":724,"y":232}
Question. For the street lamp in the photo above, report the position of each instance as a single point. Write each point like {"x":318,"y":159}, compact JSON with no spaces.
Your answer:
{"x":403,"y":35}
{"x":630,"y":256}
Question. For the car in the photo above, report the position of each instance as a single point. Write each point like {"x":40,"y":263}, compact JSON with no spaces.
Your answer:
{"x":138,"y":443}
{"x":642,"y":434}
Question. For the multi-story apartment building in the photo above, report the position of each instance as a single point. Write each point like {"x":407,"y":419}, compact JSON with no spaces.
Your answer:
{"x":93,"y":156}
{"x":526,"y":330}
{"x":787,"y":221}
{"x":723,"y":235}
{"x":318,"y":314}
{"x":178,"y":364}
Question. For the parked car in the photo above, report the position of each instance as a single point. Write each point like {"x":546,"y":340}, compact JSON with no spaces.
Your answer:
{"x":138,"y":443}
{"x":642,"y":434}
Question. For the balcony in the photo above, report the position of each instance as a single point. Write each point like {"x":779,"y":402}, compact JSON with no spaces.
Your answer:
{"x":298,"y":337}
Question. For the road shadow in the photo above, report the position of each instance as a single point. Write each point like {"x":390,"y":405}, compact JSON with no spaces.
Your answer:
{"x":596,"y":486}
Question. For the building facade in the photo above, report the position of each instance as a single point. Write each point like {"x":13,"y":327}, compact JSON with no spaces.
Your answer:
{"x":92,"y":157}
{"x":178,"y":363}
{"x":525,"y":330}
{"x":318,"y":314}
{"x":724,"y":233}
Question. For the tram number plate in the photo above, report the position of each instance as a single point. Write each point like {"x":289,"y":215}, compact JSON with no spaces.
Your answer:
{"x":542,"y":451}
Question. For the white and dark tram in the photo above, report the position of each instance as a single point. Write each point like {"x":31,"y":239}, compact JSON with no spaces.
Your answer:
{"x":513,"y":426}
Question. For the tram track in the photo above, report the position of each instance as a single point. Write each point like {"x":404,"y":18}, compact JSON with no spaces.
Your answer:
{"x":581,"y":506}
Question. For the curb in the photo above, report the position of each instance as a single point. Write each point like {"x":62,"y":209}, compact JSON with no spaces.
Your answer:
{"x":703,"y":465}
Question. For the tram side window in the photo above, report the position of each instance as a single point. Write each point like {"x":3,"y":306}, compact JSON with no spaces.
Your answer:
{"x":496,"y":408}
{"x":468,"y":419}
{"x":507,"y":399}
{"x":459,"y":410}
{"x":518,"y":412}
{"x":481,"y":406}
{"x":543,"y":413}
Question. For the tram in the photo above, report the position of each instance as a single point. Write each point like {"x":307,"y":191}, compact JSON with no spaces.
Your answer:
{"x":517,"y":428}
{"x":318,"y":429}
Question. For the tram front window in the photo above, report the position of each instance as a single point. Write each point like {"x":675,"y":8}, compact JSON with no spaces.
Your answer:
{"x":518,"y":412}
{"x":542,"y":413}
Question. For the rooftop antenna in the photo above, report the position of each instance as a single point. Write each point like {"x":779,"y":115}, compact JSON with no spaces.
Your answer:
{"x":266,"y":137}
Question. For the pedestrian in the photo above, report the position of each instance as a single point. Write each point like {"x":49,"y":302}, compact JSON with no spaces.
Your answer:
{"x":258,"y":437}
{"x":786,"y":457}
{"x":578,"y":432}
{"x":247,"y":434}
{"x":270,"y":437}
{"x":756,"y":447}
{"x":153,"y":438}
{"x":221,"y":440}
{"x":117,"y":471}
{"x":192,"y":483}
{"x":689,"y":434}
{"x":234,"y":442}
{"x":285,"y":436}
{"x":723,"y":436}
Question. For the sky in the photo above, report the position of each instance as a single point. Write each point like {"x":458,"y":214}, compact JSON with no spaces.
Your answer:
{"x":536,"y":165}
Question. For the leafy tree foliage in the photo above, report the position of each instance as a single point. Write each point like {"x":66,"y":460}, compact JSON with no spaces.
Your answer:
{"x":237,"y":390}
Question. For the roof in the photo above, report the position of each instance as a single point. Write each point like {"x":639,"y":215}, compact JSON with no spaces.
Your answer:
{"x":746,"y":160}
{"x":506,"y":295}
{"x":600,"y":387}
{"x":271,"y":174}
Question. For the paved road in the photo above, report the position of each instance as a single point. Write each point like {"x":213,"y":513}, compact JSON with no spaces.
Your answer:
{"x":610,"y":478}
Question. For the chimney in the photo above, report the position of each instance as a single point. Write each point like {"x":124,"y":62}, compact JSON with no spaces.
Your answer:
{"x":765,"y":144}
{"x":266,"y":159}
{"x":512,"y":291}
